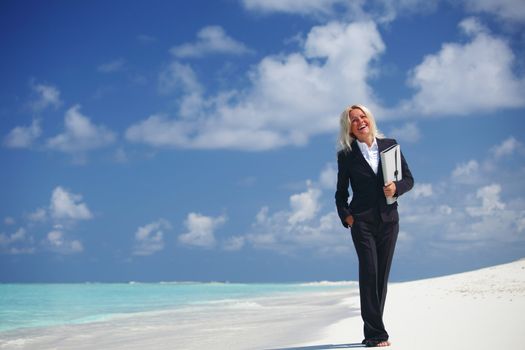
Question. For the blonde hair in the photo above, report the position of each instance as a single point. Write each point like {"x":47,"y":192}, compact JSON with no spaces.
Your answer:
{"x":345,"y":136}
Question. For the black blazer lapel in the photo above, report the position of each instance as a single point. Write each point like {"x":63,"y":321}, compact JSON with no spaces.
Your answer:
{"x":358,"y":157}
{"x":381,"y":146}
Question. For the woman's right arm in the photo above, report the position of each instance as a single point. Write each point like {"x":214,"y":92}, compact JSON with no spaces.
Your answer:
{"x":341,"y":194}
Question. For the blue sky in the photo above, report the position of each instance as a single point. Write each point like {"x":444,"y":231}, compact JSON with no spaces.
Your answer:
{"x":159,"y":140}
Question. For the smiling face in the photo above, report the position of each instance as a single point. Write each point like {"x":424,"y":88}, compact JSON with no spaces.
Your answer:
{"x":360,"y":125}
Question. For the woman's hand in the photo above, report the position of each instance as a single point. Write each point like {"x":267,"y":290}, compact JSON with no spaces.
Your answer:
{"x":390,"y":189}
{"x":349,"y":220}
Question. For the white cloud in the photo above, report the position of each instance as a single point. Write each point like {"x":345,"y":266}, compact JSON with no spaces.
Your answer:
{"x":443,"y":222}
{"x":321,"y":235}
{"x":507,"y":10}
{"x":16,"y":243}
{"x":149,"y":238}
{"x":57,"y":242}
{"x":304,"y":205}
{"x":502,"y":226}
{"x":466,"y":78}
{"x":9,"y":220}
{"x":302,"y":7}
{"x":466,"y":172}
{"x":201,"y":230}
{"x":80,"y":134}
{"x":272,"y":112}
{"x":248,"y":181}
{"x":434,"y":217}
{"x":66,"y":205}
{"x":437,"y":218}
{"x":471,"y":26}
{"x":521,"y":222}
{"x":39,"y":214}
{"x":44,"y":96}
{"x":178,"y":76}
{"x":23,"y":136}
{"x":445,"y":209}
{"x":211,"y":39}
{"x":507,"y":147}
{"x":17,"y":236}
{"x":468,"y":215}
{"x":386,"y":11}
{"x":490,"y":201}
{"x":299,"y":227}
{"x":381,"y":11}
{"x":328,"y":177}
{"x":404,"y":236}
{"x":421,"y":190}
{"x":112,"y":66}
{"x":262,"y":215}
{"x":234,"y":243}
{"x":146,"y":39}
{"x":65,"y":209}
{"x":409,"y":132}
{"x":159,"y":131}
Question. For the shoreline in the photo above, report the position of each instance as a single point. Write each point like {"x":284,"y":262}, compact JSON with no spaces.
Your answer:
{"x":479,"y":309}
{"x":251,"y":323}
{"x":33,"y":307}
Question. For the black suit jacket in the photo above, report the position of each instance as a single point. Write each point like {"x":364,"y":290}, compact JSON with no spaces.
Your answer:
{"x":367,"y":187}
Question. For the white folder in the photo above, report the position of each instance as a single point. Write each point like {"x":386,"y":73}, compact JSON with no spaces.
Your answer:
{"x":391,"y":166}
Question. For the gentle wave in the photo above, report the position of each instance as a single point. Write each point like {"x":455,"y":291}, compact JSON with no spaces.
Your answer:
{"x":45,"y":305}
{"x":330,"y":284}
{"x":230,"y":303}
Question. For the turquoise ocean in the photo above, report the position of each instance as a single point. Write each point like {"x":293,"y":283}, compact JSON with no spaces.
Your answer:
{"x":24,"y":306}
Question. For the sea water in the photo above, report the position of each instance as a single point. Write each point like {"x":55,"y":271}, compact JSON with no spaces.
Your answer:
{"x":45,"y":305}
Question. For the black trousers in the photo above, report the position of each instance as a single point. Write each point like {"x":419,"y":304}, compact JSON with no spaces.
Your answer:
{"x":374,"y":242}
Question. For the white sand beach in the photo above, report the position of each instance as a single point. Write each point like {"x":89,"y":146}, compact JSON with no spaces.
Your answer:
{"x":482,"y":309}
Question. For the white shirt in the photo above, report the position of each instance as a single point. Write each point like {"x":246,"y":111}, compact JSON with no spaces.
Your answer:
{"x":371,"y":154}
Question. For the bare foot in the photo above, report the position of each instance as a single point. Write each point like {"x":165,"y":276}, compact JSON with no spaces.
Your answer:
{"x":376,"y":343}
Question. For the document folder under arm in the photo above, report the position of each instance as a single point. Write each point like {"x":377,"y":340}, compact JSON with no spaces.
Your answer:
{"x":391,"y":166}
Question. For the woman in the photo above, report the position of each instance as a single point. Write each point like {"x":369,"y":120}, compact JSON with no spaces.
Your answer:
{"x":374,"y":223}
